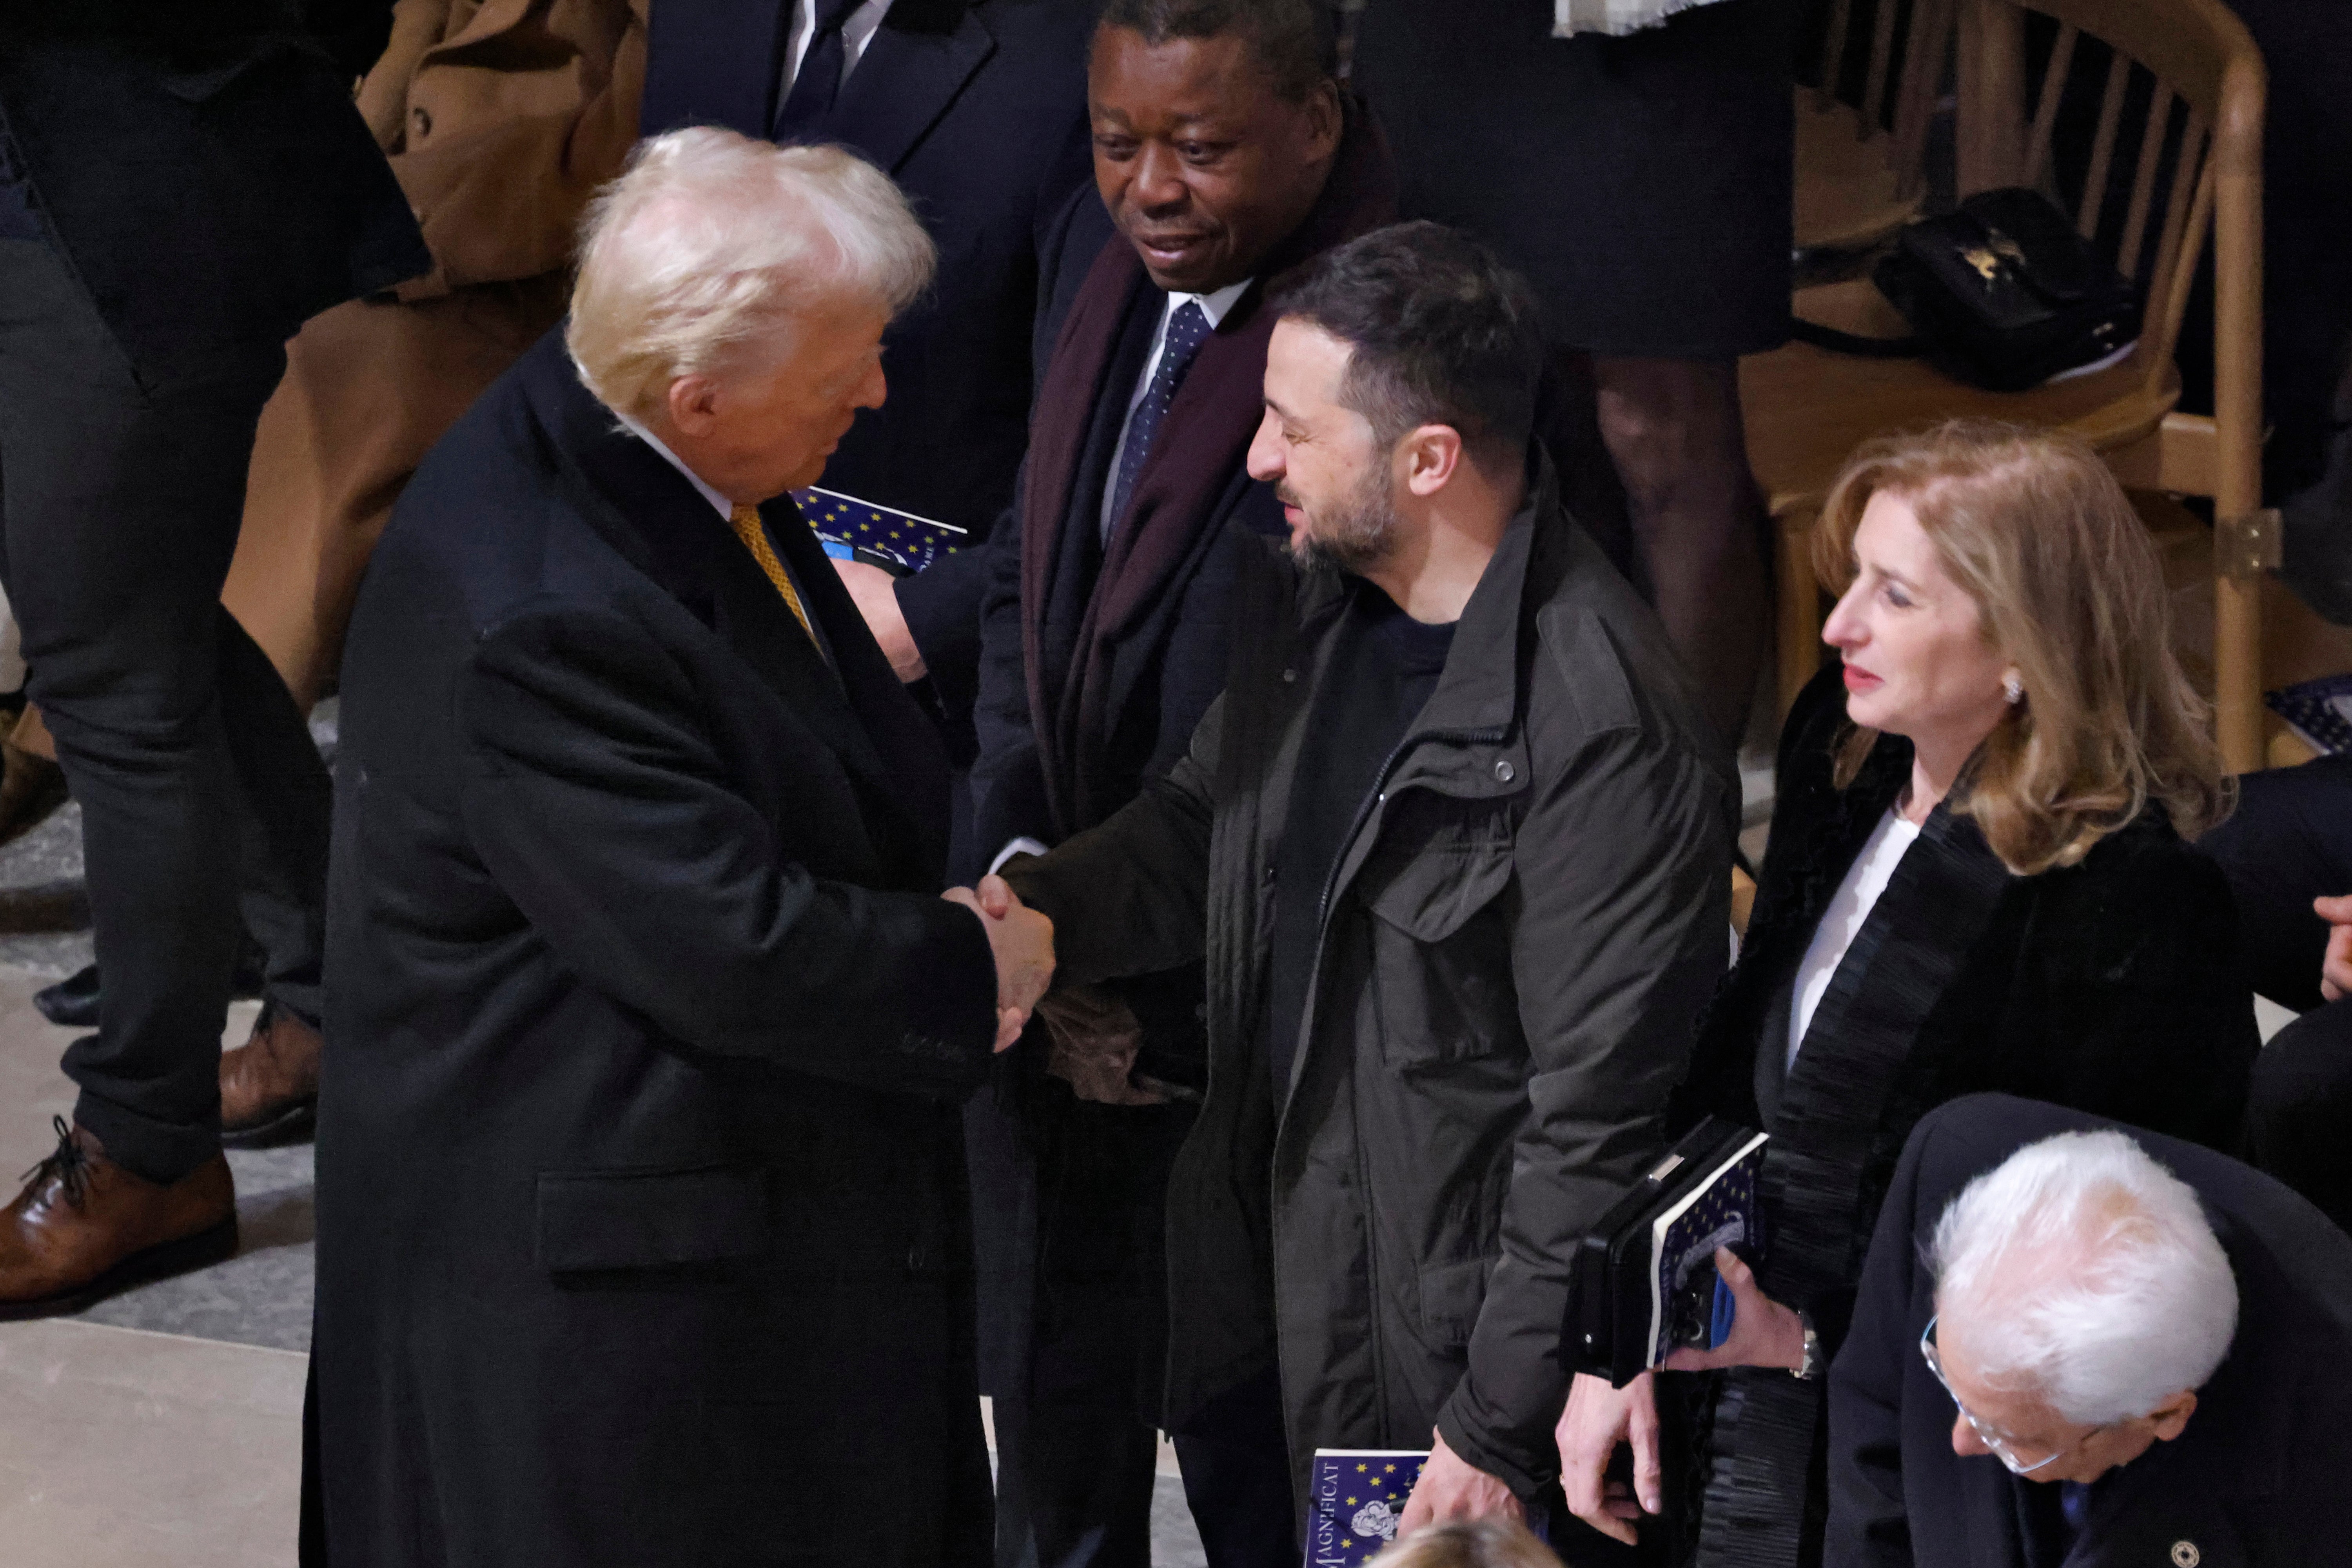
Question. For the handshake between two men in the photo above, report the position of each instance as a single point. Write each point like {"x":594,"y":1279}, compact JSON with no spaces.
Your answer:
{"x":1021,"y":941}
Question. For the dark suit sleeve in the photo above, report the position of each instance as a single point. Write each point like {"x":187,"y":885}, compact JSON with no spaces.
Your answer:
{"x":943,"y":606}
{"x":1868,"y":1526}
{"x":595,"y":799}
{"x":946,"y":606}
{"x":1645,"y":916}
{"x":1130,"y":897}
{"x":1008,"y":780}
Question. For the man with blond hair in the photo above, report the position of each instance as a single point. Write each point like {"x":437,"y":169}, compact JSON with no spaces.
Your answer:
{"x":640,"y":1196}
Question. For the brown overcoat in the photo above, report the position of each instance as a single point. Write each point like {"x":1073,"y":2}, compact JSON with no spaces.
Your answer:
{"x":501,"y":118}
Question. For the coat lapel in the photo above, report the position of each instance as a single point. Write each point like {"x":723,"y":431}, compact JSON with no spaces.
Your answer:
{"x":914,"y":66}
{"x":649,"y":511}
{"x":898,"y":753}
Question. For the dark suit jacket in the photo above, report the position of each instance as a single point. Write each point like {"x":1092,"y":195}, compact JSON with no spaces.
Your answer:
{"x":1171,"y":667}
{"x":2255,"y":1481}
{"x":977,"y":107}
{"x":202,"y":166}
{"x":641,"y":1212}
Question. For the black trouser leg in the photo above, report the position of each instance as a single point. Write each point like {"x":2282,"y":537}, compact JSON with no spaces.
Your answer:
{"x":1236,"y":1466}
{"x":285,"y":797}
{"x":121,"y":495}
{"x":1069,"y":1198}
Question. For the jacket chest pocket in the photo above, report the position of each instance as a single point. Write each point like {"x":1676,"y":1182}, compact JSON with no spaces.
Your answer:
{"x":1440,"y":934}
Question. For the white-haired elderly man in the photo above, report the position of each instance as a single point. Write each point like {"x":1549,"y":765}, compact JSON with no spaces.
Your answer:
{"x":640,"y":1201}
{"x":2087,"y":1345}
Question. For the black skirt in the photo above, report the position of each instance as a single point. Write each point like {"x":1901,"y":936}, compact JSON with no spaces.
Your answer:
{"x":1641,"y":182}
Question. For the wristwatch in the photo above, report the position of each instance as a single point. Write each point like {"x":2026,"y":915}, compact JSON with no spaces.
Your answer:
{"x":1811,"y":1367}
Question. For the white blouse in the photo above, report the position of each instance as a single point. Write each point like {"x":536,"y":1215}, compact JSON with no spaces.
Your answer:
{"x":1872,"y":871}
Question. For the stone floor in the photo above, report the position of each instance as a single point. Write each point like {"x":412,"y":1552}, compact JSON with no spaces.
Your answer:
{"x":163,"y":1429}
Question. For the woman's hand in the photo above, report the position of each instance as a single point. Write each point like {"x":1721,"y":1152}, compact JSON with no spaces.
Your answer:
{"x":1763,"y":1332}
{"x":1597,"y":1419}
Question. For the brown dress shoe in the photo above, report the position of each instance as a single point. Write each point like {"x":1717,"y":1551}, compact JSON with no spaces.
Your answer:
{"x":269,"y":1085}
{"x":84,"y":1228}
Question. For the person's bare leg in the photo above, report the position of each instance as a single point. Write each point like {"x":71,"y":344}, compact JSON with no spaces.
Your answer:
{"x":1672,"y":430}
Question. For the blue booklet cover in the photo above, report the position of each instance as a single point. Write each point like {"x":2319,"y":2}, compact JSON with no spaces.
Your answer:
{"x":2318,"y":710}
{"x":1357,"y":1496}
{"x":1688,"y":1304}
{"x":847,"y":525}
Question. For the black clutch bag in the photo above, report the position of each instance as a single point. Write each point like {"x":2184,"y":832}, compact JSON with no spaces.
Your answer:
{"x":1642,"y":1281}
{"x":2004,"y":294}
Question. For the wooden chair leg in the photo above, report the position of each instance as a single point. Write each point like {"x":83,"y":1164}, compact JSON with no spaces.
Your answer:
{"x":1800,"y":610}
{"x":2238,"y":672}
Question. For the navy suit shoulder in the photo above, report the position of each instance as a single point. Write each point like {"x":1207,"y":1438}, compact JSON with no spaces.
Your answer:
{"x":977,"y":109}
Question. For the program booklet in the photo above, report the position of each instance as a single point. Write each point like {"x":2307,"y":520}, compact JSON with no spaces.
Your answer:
{"x":2318,"y":710}
{"x":1642,"y":1281}
{"x":1358,"y":1497}
{"x":856,"y":530}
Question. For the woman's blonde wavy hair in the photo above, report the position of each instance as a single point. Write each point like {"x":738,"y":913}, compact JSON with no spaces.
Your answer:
{"x":2035,"y":530}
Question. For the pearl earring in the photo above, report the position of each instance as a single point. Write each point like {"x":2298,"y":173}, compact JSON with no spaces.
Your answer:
{"x":2012,"y":689}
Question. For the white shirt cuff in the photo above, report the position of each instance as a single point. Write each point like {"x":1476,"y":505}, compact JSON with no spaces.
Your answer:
{"x":1017,"y":846}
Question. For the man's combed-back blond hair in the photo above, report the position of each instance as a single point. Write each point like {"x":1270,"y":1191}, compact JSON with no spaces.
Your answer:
{"x":2035,"y":530}
{"x":704,"y":254}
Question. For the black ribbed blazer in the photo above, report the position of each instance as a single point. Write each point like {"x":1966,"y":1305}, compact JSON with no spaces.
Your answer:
{"x":2113,"y":987}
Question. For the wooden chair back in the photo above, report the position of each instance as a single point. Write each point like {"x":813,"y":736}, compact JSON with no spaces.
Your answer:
{"x":2143,"y":120}
{"x":1886,"y":60}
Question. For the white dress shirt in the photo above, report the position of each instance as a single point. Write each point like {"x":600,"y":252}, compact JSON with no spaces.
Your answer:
{"x":1213,"y":306}
{"x":857,"y":30}
{"x":1856,"y":897}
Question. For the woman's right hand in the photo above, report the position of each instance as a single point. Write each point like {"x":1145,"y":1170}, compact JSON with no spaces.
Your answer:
{"x":1597,"y":1419}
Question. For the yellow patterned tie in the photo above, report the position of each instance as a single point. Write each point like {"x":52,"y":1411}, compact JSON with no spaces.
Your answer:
{"x":746,"y":522}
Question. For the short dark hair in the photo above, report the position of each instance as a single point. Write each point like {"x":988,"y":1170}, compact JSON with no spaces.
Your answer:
{"x":1292,"y":39}
{"x":1440,"y":332}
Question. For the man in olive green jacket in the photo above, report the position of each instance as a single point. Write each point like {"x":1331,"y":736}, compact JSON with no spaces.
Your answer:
{"x":1456,"y":843}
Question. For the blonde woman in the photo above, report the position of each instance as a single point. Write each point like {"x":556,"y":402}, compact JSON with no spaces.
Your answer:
{"x":1979,"y":879}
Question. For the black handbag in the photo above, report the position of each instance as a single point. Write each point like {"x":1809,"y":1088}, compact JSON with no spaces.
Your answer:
{"x":2004,"y":294}
{"x":1642,"y":1281}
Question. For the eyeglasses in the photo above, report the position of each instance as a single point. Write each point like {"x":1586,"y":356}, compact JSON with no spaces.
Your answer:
{"x":2004,"y":1447}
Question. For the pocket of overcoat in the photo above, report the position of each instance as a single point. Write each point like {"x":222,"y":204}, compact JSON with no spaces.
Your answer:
{"x":649,"y":1219}
{"x":1441,"y":957}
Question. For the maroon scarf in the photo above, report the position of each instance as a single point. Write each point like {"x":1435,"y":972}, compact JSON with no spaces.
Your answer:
{"x":1201,"y":440}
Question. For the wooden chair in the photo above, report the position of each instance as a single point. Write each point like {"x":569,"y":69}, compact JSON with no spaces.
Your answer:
{"x":1862,"y":121}
{"x":2193,"y":167}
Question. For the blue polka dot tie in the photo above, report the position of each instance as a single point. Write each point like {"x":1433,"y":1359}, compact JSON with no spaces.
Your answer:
{"x":1188,"y":329}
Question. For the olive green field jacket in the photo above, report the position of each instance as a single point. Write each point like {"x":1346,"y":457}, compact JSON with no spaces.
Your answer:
{"x":1522,"y":926}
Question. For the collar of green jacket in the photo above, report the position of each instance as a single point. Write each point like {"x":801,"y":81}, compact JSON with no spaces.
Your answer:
{"x":1480,"y":692}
